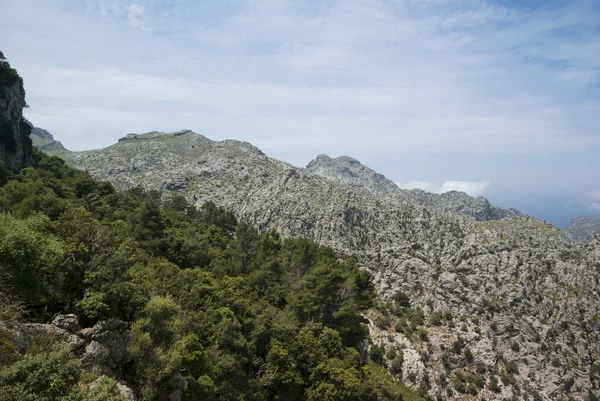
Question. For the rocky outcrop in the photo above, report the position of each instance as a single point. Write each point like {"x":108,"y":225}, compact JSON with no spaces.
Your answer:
{"x":582,"y":229}
{"x":520,"y":305}
{"x":102,"y":347}
{"x":15,"y":144}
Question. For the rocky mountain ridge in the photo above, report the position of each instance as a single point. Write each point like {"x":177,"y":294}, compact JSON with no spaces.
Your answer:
{"x":582,"y":228}
{"x":478,"y":300}
{"x":43,"y":139}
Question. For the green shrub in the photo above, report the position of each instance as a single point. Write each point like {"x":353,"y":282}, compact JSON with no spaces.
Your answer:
{"x":458,"y":381}
{"x":494,"y":385}
{"x":396,"y":364}
{"x":436,"y":319}
{"x":47,"y":376}
{"x":402,"y":300}
{"x":511,"y":368}
{"x":377,"y":353}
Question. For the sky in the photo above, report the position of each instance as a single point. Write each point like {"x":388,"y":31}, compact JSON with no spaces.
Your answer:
{"x":498,"y":98}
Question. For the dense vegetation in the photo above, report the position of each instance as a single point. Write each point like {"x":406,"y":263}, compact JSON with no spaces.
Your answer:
{"x":242,"y":315}
{"x":8,"y":75}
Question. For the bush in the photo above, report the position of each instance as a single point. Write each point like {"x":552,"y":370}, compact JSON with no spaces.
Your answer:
{"x":494,"y":384}
{"x":402,"y":300}
{"x":458,"y":381}
{"x":402,"y":327}
{"x":377,"y":354}
{"x":436,"y":319}
{"x":469,"y":355}
{"x":46,"y":376}
{"x":396,"y":365}
{"x":382,"y":321}
{"x":512,"y":368}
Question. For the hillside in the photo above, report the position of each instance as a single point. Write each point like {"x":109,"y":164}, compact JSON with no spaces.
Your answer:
{"x":582,"y":229}
{"x":476,"y":301}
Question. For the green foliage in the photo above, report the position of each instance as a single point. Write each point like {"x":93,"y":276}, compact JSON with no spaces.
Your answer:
{"x":396,"y":364}
{"x":106,"y":389}
{"x":8,"y":75}
{"x":511,"y":368}
{"x":237,"y":313}
{"x":46,"y":376}
{"x":30,"y":257}
{"x":402,"y":300}
{"x":377,"y":353}
{"x":436,"y":319}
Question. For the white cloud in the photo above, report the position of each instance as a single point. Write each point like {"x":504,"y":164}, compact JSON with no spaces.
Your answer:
{"x":594,"y":207}
{"x":473,"y":188}
{"x":593,"y":195}
{"x":135,"y":16}
{"x":591,"y":200}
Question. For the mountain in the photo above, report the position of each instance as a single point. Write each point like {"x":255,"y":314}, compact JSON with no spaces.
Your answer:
{"x":350,"y":172}
{"x":476,"y":302}
{"x":15,"y":144}
{"x":583,"y":229}
{"x":42,"y":139}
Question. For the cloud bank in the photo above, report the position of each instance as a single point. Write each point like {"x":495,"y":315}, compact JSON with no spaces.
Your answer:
{"x":592,"y":201}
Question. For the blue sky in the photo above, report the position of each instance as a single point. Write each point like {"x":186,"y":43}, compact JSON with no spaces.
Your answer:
{"x":497,"y":98}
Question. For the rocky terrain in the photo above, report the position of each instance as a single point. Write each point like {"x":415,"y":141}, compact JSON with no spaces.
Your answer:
{"x":478,"y":302}
{"x":582,"y":229}
{"x":15,"y":144}
{"x":103,"y":347}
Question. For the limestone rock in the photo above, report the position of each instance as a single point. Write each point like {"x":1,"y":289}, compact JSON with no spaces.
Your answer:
{"x":67,"y":322}
{"x":103,"y":346}
{"x":15,"y":144}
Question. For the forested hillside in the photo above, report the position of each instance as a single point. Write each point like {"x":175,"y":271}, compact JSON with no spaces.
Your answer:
{"x":215,"y":309}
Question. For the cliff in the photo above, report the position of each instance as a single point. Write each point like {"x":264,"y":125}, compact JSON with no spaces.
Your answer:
{"x":15,"y":144}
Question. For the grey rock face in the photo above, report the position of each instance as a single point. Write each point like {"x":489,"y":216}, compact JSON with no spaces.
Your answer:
{"x":67,"y":322}
{"x":582,"y":229}
{"x":15,"y":144}
{"x":103,"y":346}
{"x":519,"y":297}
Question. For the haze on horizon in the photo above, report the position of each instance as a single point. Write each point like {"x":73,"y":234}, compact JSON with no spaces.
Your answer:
{"x":496,"y":98}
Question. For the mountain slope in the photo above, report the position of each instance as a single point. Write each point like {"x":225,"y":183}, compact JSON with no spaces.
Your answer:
{"x":519,"y":306}
{"x":583,"y":229}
